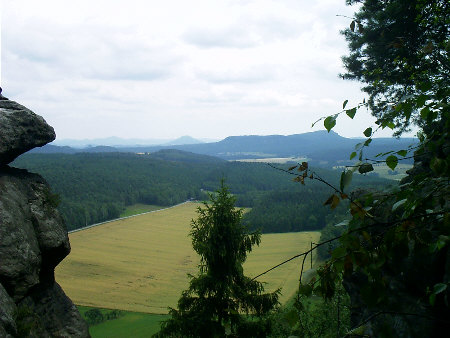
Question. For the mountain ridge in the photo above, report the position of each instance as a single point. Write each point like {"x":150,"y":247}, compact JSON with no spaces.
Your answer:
{"x":318,"y":146}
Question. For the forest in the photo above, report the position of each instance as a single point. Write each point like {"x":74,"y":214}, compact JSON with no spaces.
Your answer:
{"x":94,"y":187}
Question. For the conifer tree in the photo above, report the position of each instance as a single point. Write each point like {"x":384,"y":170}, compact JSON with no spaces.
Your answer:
{"x":218,"y":297}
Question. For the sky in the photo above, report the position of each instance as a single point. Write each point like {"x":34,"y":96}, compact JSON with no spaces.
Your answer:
{"x":163,"y":69}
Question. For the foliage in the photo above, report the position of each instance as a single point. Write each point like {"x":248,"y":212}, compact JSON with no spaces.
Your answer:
{"x":27,"y":321}
{"x":301,"y":207}
{"x":216,"y":297}
{"x":329,"y":232}
{"x":96,"y":316}
{"x":394,"y":252}
{"x":400,"y":51}
{"x":292,"y":211}
{"x":318,"y":317}
{"x":97,"y":187}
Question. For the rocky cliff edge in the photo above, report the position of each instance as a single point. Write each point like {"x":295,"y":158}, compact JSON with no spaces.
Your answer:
{"x":33,"y":237}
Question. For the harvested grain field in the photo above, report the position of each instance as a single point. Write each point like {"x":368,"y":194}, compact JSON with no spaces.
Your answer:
{"x":141,"y":263}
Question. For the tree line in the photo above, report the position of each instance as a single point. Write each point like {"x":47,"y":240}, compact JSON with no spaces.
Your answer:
{"x":94,"y":187}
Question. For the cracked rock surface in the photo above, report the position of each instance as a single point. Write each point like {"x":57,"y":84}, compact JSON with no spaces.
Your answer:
{"x":33,"y":238}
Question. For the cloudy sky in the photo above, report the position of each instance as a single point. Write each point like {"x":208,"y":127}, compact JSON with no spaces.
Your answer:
{"x":163,"y":69}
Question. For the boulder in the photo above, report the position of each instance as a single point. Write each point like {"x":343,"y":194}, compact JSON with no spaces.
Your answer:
{"x":21,"y":130}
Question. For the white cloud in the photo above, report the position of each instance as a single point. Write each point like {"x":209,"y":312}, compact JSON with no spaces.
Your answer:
{"x":146,"y":68}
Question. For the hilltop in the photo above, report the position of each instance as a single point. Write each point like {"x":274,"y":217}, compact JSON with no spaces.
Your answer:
{"x":320,"y":147}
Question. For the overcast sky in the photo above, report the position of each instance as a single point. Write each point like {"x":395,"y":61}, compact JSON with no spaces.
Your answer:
{"x":163,"y":69}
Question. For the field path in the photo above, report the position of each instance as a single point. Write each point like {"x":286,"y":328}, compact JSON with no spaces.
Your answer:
{"x":141,"y":263}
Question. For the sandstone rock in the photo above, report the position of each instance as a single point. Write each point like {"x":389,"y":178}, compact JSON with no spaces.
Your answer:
{"x":20,"y":259}
{"x":33,"y":238}
{"x":58,"y":315}
{"x":7,"y":309}
{"x":20,"y":131}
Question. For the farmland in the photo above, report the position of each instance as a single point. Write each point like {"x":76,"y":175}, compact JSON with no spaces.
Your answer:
{"x":141,"y":263}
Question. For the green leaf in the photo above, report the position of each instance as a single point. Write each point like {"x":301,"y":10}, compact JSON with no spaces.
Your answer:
{"x":391,"y":125}
{"x":344,"y":104}
{"x":437,"y":165}
{"x":398,"y":204}
{"x":368,"y":132}
{"x":425,"y":86}
{"x":351,"y":112}
{"x":339,"y":252}
{"x":358,"y":145}
{"x":345,"y":222}
{"x":329,"y":123}
{"x":432,"y":299}
{"x":442,"y":240}
{"x":305,"y":289}
{"x":407,"y":109}
{"x":439,"y":287}
{"x":424,"y":113}
{"x":392,"y":161}
{"x":420,"y":101}
{"x":367,"y":142}
{"x":402,"y":152}
{"x":346,"y":179}
{"x":353,"y":155}
{"x":365,"y":168}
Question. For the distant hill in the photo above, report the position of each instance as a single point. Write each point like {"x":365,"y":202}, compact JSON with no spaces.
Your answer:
{"x":52,"y":149}
{"x":121,"y":142}
{"x":112,"y":141}
{"x":183,"y":140}
{"x":320,"y":147}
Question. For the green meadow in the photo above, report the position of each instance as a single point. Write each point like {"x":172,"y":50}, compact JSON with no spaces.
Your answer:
{"x":129,"y":324}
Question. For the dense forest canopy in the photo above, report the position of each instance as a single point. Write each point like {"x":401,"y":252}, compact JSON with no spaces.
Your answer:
{"x":94,"y":187}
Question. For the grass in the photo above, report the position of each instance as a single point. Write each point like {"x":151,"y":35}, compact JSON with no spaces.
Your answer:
{"x":130,"y":324}
{"x":140,"y":264}
{"x":136,"y":209}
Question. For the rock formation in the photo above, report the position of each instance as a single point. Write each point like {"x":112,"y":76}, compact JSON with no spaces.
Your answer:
{"x":33,"y":237}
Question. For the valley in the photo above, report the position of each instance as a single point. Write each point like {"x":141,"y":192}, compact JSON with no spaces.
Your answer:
{"x":141,"y":263}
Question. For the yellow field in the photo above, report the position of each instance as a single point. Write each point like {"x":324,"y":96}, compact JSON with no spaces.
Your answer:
{"x":140,"y":263}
